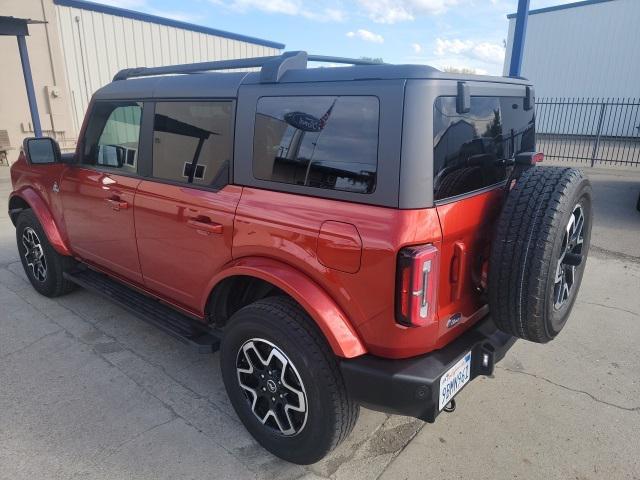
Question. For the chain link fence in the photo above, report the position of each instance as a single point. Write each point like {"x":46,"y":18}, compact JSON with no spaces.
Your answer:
{"x":589,"y":130}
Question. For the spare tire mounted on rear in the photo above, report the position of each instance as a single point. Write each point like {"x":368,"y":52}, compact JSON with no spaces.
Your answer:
{"x":539,"y":252}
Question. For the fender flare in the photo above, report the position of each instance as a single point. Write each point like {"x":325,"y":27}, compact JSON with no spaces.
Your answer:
{"x":328,"y":316}
{"x":42,"y":212}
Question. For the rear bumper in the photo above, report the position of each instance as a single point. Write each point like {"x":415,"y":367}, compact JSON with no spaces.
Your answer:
{"x":411,"y":386}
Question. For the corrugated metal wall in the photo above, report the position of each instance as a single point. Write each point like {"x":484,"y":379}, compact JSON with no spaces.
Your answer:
{"x":96,"y":45}
{"x":587,"y":51}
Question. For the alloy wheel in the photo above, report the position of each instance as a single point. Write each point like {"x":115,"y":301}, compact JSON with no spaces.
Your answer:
{"x":272,"y":386}
{"x":34,"y":254}
{"x":571,"y":257}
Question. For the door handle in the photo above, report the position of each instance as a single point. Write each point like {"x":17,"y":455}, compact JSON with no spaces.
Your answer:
{"x":458,"y":269}
{"x":117,"y":204}
{"x":205,"y":225}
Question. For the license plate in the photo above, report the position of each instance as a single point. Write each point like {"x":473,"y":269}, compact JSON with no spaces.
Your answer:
{"x":455,"y":378}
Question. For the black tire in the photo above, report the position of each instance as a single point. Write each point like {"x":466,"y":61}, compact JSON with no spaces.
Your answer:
{"x":330,"y":413}
{"x":52,"y":283}
{"x":527,"y":297}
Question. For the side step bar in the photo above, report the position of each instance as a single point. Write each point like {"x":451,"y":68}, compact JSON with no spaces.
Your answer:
{"x":176,"y":324}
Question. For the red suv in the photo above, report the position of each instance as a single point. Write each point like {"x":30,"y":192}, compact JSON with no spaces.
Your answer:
{"x":373,"y":235}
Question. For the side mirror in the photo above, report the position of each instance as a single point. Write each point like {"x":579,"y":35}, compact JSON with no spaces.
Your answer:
{"x":111,"y":156}
{"x":41,"y":150}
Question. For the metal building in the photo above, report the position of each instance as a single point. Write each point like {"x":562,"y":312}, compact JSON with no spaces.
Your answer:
{"x":81,"y":47}
{"x":584,"y":60}
{"x":582,"y":49}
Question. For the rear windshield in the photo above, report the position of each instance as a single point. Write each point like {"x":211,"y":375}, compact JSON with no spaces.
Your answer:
{"x":469,"y":148}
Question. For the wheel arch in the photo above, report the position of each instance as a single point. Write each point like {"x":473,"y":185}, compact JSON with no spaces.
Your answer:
{"x":282,"y":278}
{"x":28,"y":198}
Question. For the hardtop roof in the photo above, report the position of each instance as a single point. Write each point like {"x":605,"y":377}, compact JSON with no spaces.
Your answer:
{"x":226,"y":84}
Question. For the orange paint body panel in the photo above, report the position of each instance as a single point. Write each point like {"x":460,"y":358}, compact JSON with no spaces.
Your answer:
{"x":467,"y":229}
{"x":34,"y":185}
{"x":269,"y":224}
{"x":184,"y":238}
{"x":332,"y":321}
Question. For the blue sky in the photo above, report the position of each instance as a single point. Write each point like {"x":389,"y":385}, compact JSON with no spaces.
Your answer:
{"x":442,"y":33}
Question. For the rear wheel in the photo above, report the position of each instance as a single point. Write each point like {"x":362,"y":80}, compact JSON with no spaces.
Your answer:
{"x":284,"y":381}
{"x":539,"y":252}
{"x":44,"y":266}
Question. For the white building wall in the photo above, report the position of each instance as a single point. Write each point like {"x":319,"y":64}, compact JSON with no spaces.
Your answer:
{"x":587,"y":51}
{"x":96,"y":45}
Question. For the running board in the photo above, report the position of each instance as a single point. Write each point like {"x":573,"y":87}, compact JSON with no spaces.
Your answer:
{"x":176,"y":324}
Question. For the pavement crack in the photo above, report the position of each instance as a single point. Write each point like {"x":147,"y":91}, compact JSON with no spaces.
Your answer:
{"x":113,"y":450}
{"x":612,"y":308}
{"x":30,"y":344}
{"x":613,"y":254}
{"x":399,"y":452}
{"x":574,"y":390}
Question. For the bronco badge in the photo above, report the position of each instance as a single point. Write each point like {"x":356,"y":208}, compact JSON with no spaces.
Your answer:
{"x":454,"y":320}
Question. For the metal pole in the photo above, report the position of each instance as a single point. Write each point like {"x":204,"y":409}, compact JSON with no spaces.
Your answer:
{"x":517,"y":50}
{"x":597,"y":142}
{"x":28,"y":82}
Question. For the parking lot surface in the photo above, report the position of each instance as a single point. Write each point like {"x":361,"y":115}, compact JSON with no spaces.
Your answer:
{"x":88,"y":391}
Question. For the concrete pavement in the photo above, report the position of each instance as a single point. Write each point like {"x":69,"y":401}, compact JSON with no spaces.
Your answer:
{"x":88,"y":391}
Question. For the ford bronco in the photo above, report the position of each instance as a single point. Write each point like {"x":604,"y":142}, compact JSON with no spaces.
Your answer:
{"x":371,"y":234}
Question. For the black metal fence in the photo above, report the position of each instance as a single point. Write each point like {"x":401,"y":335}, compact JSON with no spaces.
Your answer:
{"x":589,"y":130}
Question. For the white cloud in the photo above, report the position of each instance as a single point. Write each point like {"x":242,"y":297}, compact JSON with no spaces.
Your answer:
{"x":394,"y":11}
{"x":417,"y":48}
{"x":285,"y":7}
{"x":483,"y":51}
{"x":366,"y":35}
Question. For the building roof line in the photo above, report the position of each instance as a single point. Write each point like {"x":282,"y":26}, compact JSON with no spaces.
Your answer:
{"x":565,"y":6}
{"x":146,"y":17}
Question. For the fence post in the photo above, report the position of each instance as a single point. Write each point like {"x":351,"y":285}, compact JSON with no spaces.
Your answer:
{"x":595,"y":146}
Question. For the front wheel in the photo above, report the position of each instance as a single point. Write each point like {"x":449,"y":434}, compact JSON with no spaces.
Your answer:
{"x":284,"y":382}
{"x":44,"y":266}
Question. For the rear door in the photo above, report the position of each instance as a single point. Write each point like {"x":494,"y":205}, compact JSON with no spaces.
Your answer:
{"x":469,"y":175}
{"x":184,"y":212}
{"x":98,"y":192}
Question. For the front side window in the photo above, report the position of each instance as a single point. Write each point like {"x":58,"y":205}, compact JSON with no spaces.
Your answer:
{"x":112,"y":136}
{"x":322,"y":141}
{"x":470,"y":148}
{"x":192,"y":142}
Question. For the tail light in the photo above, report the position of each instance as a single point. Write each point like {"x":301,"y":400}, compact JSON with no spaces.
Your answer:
{"x":416,"y":285}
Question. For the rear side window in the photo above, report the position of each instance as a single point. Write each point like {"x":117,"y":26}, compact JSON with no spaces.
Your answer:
{"x":469,"y":148}
{"x":328,"y":142}
{"x":192,"y":142}
{"x":112,"y":135}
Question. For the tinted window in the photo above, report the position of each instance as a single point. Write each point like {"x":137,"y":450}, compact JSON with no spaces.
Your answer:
{"x":469,"y":148}
{"x":323,"y":142}
{"x":192,"y":142}
{"x":111,"y":138}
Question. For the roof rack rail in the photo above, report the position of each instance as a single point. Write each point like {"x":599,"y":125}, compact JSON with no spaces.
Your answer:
{"x":347,"y":61}
{"x":272,"y":68}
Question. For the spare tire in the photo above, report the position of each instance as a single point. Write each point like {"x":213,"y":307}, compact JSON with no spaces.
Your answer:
{"x":539,"y":252}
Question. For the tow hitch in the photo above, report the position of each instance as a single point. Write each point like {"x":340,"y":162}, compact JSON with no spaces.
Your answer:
{"x":450,"y":407}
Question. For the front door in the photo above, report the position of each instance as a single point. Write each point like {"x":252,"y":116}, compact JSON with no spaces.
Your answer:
{"x":184,"y":214}
{"x":98,"y":192}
